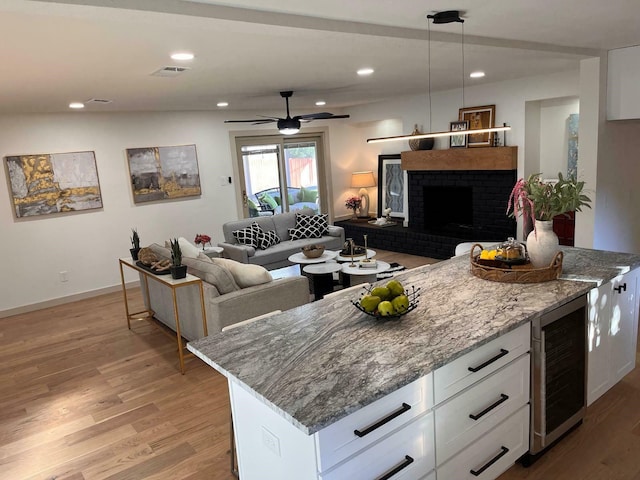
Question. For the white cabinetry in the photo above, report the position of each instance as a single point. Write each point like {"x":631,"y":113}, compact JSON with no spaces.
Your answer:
{"x":623,"y":77}
{"x":613,"y":332}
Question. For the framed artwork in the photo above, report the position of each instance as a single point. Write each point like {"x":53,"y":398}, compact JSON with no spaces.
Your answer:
{"x":392,"y":186}
{"x":163,"y":173}
{"x":458,"y":141}
{"x":479,"y":117}
{"x":49,"y":183}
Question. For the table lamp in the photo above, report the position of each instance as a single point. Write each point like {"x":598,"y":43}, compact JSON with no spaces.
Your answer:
{"x":363,"y":180}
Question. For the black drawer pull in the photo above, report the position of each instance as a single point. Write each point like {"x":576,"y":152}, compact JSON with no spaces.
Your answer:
{"x":503,"y":452}
{"x":502,"y":353}
{"x":379,"y":423}
{"x":407,"y":461}
{"x":621,"y":288}
{"x":503,"y":398}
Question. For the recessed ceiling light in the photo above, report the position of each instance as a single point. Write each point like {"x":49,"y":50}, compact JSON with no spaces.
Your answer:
{"x":76,"y":105}
{"x":476,"y":74}
{"x":182,"y":56}
{"x":365,"y":71}
{"x":320,"y":103}
{"x":223,"y":104}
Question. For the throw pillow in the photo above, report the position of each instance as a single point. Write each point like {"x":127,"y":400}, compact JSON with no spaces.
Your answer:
{"x":245,"y":274}
{"x":264,"y":239}
{"x":189,"y":250}
{"x":217,"y":275}
{"x":268,"y":199}
{"x":309,"y":226}
{"x":305,"y":232}
{"x":247,"y":236}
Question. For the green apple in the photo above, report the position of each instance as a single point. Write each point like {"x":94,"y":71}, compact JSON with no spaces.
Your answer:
{"x":385,"y":308}
{"x":369,"y":303}
{"x":395,"y":287}
{"x":382,"y":292}
{"x":400,"y":303}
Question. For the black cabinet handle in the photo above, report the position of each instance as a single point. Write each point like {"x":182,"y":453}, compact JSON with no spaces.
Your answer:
{"x":379,"y":423}
{"x":503,"y":398}
{"x":504,"y":450}
{"x":407,"y":461}
{"x":502,"y":353}
{"x":621,"y":288}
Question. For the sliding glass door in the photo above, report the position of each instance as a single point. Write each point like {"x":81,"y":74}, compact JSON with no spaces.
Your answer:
{"x":280,"y":174}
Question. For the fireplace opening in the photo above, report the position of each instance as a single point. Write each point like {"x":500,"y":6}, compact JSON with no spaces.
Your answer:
{"x":448,"y":209}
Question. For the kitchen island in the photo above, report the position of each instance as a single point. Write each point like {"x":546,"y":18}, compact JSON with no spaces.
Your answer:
{"x":320,"y":364}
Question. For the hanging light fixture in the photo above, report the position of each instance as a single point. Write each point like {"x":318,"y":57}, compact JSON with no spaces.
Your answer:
{"x":439,"y":18}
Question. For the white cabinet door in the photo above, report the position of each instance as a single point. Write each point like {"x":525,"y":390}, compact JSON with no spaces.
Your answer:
{"x":613,"y":332}
{"x":623,"y":329}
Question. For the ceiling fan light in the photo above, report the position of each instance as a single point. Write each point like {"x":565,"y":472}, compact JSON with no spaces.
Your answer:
{"x":289,"y":126}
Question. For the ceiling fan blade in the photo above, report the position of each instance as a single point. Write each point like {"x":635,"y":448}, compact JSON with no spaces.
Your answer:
{"x":320,"y":116}
{"x":255,"y":121}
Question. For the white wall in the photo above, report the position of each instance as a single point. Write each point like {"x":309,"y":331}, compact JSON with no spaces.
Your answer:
{"x":554,"y":134}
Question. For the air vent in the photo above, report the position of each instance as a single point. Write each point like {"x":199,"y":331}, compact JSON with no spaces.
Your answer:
{"x":170,"y":71}
{"x":99,"y":101}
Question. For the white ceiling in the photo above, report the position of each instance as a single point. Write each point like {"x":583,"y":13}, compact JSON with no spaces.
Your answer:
{"x":58,"y":51}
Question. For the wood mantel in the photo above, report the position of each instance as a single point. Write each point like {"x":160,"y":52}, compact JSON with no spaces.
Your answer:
{"x":488,"y":158}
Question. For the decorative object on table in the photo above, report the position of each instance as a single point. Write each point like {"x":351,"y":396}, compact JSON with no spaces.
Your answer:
{"x":479,"y":118}
{"x":350,"y":247}
{"x":393,"y":184}
{"x":449,"y":16}
{"x":511,"y":252}
{"x":48,"y":183}
{"x":163,"y":173}
{"x":458,"y":141}
{"x":366,"y":253}
{"x":391,"y":301}
{"x":202,"y":239}
{"x":353,"y":203}
{"x":313,"y":251}
{"x":499,"y":271}
{"x":540,"y":201}
{"x":178,"y":270}
{"x":420,"y":143}
{"x":135,"y":244}
{"x":363,"y":180}
{"x":148,"y":260}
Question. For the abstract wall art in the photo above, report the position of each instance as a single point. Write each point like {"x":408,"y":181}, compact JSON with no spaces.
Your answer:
{"x":392,"y":186}
{"x":163,"y":173}
{"x":49,"y":183}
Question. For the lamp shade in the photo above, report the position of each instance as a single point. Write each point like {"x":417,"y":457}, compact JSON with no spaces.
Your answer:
{"x":362,"y":180}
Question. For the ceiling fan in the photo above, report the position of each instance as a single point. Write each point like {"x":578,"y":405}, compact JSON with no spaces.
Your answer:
{"x":289,"y":125}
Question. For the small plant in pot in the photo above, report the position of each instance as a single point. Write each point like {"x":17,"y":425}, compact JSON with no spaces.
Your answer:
{"x":178,"y":270}
{"x":135,"y":244}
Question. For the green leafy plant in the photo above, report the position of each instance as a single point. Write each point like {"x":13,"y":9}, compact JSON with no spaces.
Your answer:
{"x":541,"y":200}
{"x":176,"y":253}
{"x":135,"y":239}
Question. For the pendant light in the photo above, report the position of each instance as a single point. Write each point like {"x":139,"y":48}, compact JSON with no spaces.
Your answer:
{"x":448,"y":16}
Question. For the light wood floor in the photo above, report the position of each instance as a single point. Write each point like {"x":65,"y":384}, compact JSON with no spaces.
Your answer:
{"x":82,"y":397}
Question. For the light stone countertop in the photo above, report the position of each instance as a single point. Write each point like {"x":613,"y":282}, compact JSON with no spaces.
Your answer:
{"x":320,"y":362}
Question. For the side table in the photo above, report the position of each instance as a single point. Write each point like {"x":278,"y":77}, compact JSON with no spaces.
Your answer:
{"x":355,"y":275}
{"x":213,"y":252}
{"x":321,"y":274}
{"x":148,"y":314}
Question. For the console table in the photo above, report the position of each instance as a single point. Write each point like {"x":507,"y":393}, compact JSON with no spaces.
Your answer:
{"x":147,"y":314}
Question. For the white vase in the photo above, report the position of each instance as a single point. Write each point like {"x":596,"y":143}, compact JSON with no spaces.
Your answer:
{"x":542,"y":244}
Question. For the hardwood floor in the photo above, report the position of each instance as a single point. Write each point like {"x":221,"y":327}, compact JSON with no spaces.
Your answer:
{"x":83,"y":397}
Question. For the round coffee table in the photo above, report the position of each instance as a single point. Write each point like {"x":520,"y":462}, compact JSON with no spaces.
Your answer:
{"x":357,"y":274}
{"x":347,"y":258}
{"x":300,"y":257}
{"x":321,"y":276}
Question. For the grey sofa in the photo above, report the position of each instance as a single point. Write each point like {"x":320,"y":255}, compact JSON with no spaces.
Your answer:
{"x":225,"y":301}
{"x":275,"y":256}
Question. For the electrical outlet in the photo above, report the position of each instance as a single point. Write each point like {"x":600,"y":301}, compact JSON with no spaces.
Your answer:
{"x":64,"y":276}
{"x":271,"y":441}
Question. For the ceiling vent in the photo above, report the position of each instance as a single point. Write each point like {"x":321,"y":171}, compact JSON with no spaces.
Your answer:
{"x":99,"y":101}
{"x":170,"y":71}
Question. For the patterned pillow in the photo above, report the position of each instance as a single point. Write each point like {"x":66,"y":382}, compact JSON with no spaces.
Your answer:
{"x":247,"y":236}
{"x":304,"y":232}
{"x":309,"y":226}
{"x":266,"y":239}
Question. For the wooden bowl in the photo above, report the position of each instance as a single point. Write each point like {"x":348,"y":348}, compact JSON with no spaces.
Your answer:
{"x":313,"y":251}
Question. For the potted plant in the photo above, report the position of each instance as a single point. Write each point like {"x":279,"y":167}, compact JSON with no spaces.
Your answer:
{"x":178,"y":270}
{"x":135,"y":244}
{"x":202,"y":239}
{"x":540,"y":201}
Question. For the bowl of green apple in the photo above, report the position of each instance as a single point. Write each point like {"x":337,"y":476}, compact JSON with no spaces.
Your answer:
{"x":388,"y":301}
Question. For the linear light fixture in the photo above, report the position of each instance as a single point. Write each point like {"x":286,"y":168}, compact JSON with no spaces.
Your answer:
{"x":504,"y":128}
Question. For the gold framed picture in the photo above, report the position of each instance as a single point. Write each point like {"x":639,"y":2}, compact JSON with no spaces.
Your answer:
{"x":479,"y":117}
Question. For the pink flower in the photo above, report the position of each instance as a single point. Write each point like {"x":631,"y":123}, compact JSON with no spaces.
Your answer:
{"x":353,"y":203}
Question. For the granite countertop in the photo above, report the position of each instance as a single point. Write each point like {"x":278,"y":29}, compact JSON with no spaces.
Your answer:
{"x":322,"y":361}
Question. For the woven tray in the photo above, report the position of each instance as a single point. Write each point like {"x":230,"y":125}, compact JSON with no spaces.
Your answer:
{"x":497,"y":271}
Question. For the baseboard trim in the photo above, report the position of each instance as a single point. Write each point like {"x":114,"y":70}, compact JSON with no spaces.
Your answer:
{"x":68,"y":299}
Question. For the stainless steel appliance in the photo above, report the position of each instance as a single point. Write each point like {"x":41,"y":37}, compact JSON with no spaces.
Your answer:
{"x":558,"y":374}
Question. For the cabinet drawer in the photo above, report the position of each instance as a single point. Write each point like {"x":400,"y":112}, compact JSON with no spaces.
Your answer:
{"x":490,"y":402}
{"x":339,"y":440}
{"x":493,"y":454}
{"x":477,"y":364}
{"x":409,"y":451}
